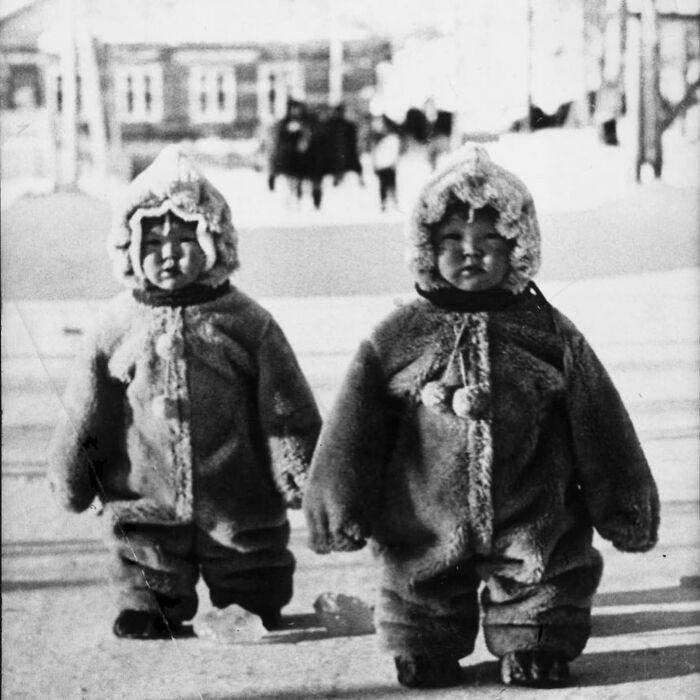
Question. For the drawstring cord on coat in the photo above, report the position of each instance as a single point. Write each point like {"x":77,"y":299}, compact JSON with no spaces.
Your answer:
{"x":456,"y":352}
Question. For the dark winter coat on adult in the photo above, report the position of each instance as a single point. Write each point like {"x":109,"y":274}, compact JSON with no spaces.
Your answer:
{"x":342,"y":149}
{"x":187,"y":415}
{"x":293,"y":138}
{"x":477,"y":439}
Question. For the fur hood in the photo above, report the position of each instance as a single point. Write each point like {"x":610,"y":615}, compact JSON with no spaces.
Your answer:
{"x":473,"y":178}
{"x":172,"y":183}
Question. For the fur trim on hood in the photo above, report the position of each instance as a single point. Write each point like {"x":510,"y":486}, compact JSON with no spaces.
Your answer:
{"x":172,"y":183}
{"x":473,"y":178}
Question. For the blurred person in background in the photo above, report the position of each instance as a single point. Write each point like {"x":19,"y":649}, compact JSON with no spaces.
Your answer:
{"x":302,"y":152}
{"x":609,"y":107}
{"x":343,"y":156}
{"x":438,"y":132}
{"x":386,"y":149}
{"x":266,"y":152}
{"x":292,"y":140}
{"x":318,"y":154}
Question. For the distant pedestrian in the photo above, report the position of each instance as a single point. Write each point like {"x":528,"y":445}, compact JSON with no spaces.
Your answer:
{"x":608,"y":109}
{"x":477,"y":438}
{"x":386,"y":150}
{"x":317,"y":154}
{"x":343,"y":156}
{"x":293,"y":137}
{"x":415,"y":125}
{"x":301,"y":152}
{"x":187,"y":416}
{"x":438,"y":132}
{"x":267,"y":149}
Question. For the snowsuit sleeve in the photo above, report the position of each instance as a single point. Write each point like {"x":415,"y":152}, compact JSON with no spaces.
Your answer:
{"x":617,"y":483}
{"x":344,"y":490}
{"x":84,"y":443}
{"x":288,"y":414}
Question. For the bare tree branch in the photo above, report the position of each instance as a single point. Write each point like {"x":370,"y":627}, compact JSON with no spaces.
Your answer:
{"x":671,"y":112}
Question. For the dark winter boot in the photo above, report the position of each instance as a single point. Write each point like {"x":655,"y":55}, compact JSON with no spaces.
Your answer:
{"x":143,"y":624}
{"x":422,"y":671}
{"x":271,"y":619}
{"x":536,"y":669}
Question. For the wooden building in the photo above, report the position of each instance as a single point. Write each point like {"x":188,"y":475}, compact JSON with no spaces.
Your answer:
{"x":164,"y":70}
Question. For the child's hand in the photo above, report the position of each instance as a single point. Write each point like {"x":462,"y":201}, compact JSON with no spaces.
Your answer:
{"x":637,"y":530}
{"x":292,"y":488}
{"x":293,"y":501}
{"x":330,"y":531}
{"x":345,"y":538}
{"x":348,"y":538}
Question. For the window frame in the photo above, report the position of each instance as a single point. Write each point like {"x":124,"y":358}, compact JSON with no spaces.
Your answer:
{"x":139,"y":92}
{"x":289,"y":82}
{"x":213,"y":93}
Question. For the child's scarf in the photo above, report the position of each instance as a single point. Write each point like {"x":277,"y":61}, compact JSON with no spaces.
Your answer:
{"x":496,"y":299}
{"x":453,"y":299}
{"x":191,"y":295}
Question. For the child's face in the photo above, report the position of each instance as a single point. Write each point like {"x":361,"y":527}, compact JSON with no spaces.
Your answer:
{"x":171,"y":255}
{"x":471,"y":255}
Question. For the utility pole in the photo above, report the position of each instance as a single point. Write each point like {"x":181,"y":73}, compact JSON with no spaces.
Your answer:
{"x":68,"y":143}
{"x":335,"y":75}
{"x":458,"y":25}
{"x":622,"y":50}
{"x":649,"y":143}
{"x":530,"y":49}
{"x":93,"y":95}
{"x":116,"y":156}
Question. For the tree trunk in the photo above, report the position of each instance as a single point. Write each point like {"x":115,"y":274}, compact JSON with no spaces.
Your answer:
{"x":650,"y":127}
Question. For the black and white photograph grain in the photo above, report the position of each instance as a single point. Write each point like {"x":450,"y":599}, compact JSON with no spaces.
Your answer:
{"x":350,"y":349}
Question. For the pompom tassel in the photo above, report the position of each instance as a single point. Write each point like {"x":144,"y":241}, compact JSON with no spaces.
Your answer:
{"x":434,"y":395}
{"x":471,"y":402}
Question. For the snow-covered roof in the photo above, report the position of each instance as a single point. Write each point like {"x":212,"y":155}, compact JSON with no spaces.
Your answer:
{"x":230,"y":22}
{"x":175,"y":22}
{"x":8,"y":7}
{"x":680,"y":7}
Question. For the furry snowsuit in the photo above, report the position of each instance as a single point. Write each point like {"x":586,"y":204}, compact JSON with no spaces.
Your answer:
{"x":189,"y":419}
{"x":480,"y":447}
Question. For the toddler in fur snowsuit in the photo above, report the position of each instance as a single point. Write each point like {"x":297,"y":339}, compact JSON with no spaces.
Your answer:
{"x":477,"y":439}
{"x":187,"y":416}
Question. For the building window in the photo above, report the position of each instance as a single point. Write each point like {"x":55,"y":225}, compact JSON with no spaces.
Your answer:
{"x":140,"y":93}
{"x":56,"y":91}
{"x":212,"y":94}
{"x":20,"y":86}
{"x":277,"y":82}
